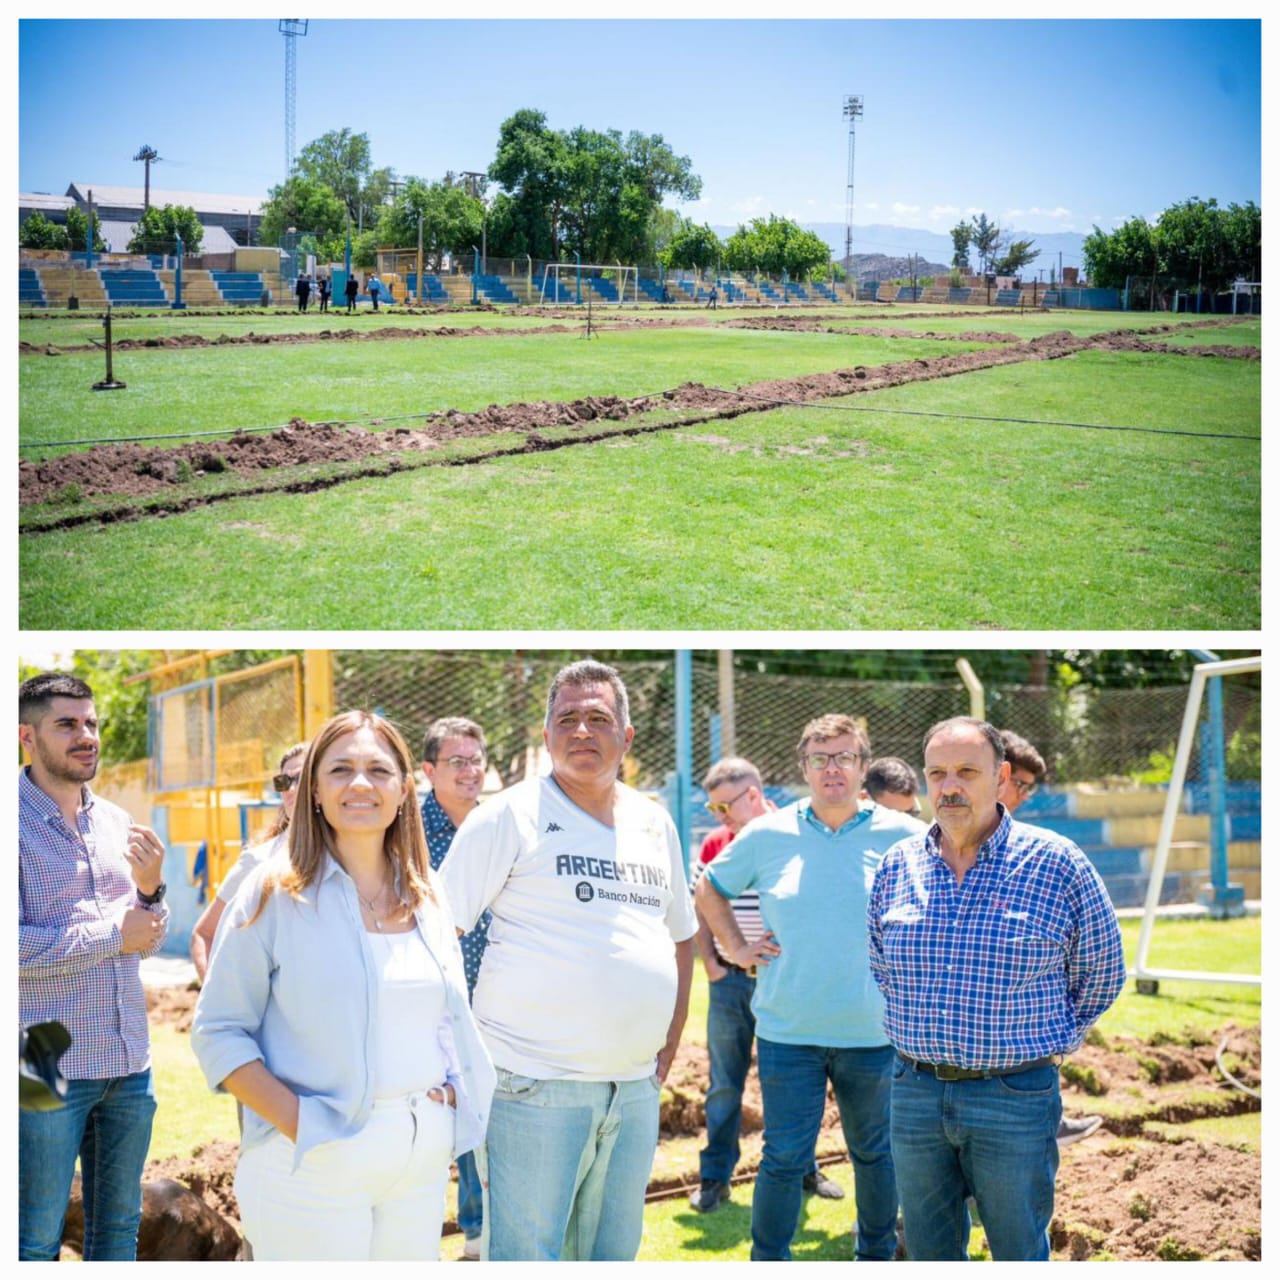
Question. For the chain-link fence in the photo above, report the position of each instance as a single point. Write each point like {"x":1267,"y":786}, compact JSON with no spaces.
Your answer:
{"x":1085,"y":733}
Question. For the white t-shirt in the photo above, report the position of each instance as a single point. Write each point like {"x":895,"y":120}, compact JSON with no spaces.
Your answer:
{"x":408,"y":1051}
{"x":579,"y":978}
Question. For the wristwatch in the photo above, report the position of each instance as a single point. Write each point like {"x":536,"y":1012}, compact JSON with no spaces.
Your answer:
{"x":151,"y":899}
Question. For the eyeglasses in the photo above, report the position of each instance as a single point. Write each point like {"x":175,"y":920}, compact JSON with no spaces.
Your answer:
{"x":464,"y":762}
{"x":845,"y":759}
{"x":285,"y":782}
{"x":721,"y":807}
{"x":1023,"y":788}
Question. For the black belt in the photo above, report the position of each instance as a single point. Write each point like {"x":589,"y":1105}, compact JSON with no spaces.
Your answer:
{"x":946,"y":1072}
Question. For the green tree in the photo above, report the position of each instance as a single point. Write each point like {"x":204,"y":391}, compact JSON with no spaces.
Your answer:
{"x":308,"y":205}
{"x":774,"y":245}
{"x":961,"y":239}
{"x":693,"y":246}
{"x":157,"y":230}
{"x":1111,"y":260}
{"x":1189,"y":241}
{"x":1015,"y":257}
{"x":37,"y":232}
{"x":986,"y":240}
{"x":78,"y":229}
{"x":343,"y":162}
{"x":529,"y":168}
{"x":1242,"y":241}
{"x":451,"y":219}
{"x":582,"y":191}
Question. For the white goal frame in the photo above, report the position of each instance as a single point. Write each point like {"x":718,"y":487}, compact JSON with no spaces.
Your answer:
{"x":555,"y":272}
{"x":1200,"y":676}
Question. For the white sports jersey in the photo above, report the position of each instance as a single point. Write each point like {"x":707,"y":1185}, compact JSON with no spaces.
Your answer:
{"x":579,"y":978}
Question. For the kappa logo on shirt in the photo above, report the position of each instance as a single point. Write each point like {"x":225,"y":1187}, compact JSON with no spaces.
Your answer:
{"x":553,"y":826}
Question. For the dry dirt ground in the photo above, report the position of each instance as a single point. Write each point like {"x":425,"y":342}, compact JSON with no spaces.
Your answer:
{"x":139,"y":471}
{"x":1144,"y":1187}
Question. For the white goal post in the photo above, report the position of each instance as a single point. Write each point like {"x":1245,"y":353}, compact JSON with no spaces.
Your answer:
{"x":575,"y":277}
{"x":1200,"y":676}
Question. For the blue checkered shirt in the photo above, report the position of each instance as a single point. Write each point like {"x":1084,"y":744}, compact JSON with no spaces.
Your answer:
{"x":440,"y":833}
{"x":73,"y":887}
{"x":1014,"y":963}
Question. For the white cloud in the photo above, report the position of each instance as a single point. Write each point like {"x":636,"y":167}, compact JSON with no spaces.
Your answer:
{"x":904,"y":210}
{"x":750,"y":206}
{"x":940,"y":211}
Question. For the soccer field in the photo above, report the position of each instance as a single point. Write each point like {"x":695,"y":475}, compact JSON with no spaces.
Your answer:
{"x":869,"y":470}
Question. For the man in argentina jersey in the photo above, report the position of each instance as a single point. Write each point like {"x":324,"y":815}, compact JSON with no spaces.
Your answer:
{"x":996,"y":948}
{"x":585,"y":984}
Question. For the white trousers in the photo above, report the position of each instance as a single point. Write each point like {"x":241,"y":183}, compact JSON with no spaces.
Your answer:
{"x":378,"y":1196}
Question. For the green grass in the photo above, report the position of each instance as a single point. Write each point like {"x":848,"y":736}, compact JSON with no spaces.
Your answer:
{"x":173,"y":393}
{"x":188,"y":1112}
{"x":871,"y":520}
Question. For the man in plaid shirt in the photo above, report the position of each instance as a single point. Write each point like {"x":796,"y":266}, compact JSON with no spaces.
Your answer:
{"x":90,"y":905}
{"x":996,"y":948}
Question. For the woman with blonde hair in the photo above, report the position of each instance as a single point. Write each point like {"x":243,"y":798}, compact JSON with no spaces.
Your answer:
{"x":336,"y":1011}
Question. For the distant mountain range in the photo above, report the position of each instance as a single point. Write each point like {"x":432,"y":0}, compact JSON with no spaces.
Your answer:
{"x":936,"y":247}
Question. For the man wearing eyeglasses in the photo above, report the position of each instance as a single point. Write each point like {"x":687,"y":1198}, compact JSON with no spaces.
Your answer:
{"x":1026,"y":772}
{"x":453,"y":761}
{"x":996,"y":947}
{"x":819,"y":1015}
{"x":735,"y":795}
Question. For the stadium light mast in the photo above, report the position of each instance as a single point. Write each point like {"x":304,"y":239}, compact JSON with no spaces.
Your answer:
{"x":149,"y":156}
{"x":853,"y":113}
{"x":291,"y":29}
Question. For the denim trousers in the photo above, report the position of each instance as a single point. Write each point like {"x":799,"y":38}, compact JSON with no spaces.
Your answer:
{"x":565,"y":1165}
{"x":992,"y":1139}
{"x":731,"y":1028}
{"x":470,"y":1197}
{"x":107,"y":1123}
{"x":793,"y":1085}
{"x":377,"y":1196}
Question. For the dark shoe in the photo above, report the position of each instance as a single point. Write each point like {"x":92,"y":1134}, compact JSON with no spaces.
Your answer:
{"x":1072,"y":1130}
{"x":817,"y":1183}
{"x":709,"y":1196}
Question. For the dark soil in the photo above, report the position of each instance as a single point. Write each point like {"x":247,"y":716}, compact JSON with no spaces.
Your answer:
{"x":138,"y":471}
{"x":1137,"y":1190}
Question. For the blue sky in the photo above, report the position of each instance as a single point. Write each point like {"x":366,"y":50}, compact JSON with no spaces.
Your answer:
{"x":1046,"y":125}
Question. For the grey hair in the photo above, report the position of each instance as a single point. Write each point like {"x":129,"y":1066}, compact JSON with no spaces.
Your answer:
{"x":587,"y":672}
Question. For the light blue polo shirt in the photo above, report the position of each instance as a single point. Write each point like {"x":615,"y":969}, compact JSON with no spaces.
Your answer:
{"x":813,"y":885}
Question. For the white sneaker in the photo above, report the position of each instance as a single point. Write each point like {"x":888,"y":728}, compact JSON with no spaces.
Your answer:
{"x":471,"y":1250}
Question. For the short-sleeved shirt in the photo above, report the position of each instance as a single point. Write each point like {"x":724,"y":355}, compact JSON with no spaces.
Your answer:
{"x":440,"y":832}
{"x":813,"y":885}
{"x":579,"y":978}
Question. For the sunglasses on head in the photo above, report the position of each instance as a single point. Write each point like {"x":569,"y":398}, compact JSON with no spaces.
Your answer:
{"x":285,"y":782}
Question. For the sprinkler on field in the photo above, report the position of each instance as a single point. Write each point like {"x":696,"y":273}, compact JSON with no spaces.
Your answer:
{"x":586,"y":333}
{"x":108,"y":383}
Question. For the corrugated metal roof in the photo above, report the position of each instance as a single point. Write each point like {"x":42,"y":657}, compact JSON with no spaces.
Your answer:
{"x":43,"y":201}
{"x":118,"y":234}
{"x":200,"y":201}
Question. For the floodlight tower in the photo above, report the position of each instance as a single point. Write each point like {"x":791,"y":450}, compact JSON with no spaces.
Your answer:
{"x":149,"y":156}
{"x":853,"y":113}
{"x":291,"y":29}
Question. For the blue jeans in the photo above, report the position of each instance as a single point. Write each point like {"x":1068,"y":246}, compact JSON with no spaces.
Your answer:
{"x":107,"y":1123}
{"x":731,"y":1027}
{"x":992,"y":1139}
{"x":793,"y":1085}
{"x":565,"y":1166}
{"x":470,"y":1197}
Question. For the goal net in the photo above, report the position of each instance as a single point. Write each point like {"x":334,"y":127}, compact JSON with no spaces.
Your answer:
{"x":1222,"y":897}
{"x":583,"y":282}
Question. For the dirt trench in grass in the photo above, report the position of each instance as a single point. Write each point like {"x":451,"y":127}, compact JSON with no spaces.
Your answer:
{"x":136,"y":471}
{"x":1144,"y":1187}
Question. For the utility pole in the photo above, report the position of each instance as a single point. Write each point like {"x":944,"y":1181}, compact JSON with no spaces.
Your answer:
{"x":291,"y":29}
{"x":149,"y":156}
{"x":853,"y":113}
